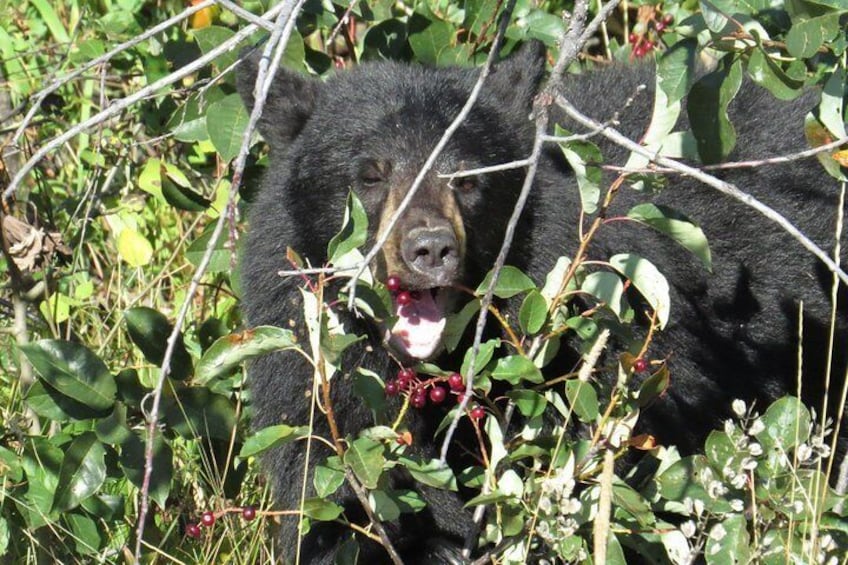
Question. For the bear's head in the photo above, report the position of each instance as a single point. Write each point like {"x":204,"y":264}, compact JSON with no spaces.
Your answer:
{"x":370,"y":130}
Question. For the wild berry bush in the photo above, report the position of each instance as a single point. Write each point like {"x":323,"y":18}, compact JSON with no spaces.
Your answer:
{"x":125,"y":410}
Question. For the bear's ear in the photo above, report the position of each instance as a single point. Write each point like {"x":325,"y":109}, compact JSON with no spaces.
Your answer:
{"x":289,"y":104}
{"x":517,"y":78}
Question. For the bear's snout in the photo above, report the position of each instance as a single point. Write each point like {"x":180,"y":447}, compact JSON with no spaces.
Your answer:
{"x":433,"y":253}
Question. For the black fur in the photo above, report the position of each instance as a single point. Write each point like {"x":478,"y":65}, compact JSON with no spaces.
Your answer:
{"x":732,"y":331}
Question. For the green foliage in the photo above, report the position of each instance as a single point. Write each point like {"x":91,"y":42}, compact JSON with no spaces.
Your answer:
{"x":135,"y":199}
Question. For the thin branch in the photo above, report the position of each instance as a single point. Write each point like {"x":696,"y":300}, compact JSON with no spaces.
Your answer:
{"x":125,"y":103}
{"x":287,"y":12}
{"x":796,"y":156}
{"x":718,"y":184}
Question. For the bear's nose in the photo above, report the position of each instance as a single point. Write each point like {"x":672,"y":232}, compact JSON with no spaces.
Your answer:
{"x":433,"y":253}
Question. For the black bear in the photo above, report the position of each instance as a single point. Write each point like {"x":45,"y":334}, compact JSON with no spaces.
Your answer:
{"x":370,"y":130}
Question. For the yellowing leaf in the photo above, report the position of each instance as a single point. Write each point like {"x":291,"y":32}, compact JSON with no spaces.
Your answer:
{"x":841,"y":157}
{"x":204,"y":17}
{"x":134,"y":248}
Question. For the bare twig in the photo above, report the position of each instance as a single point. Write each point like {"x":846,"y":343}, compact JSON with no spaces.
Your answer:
{"x":720,"y":185}
{"x":796,"y":156}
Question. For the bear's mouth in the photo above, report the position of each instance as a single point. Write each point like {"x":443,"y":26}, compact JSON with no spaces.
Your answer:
{"x":421,"y":323}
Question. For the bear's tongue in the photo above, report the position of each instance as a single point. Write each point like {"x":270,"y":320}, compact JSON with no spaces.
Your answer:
{"x":418,"y":331}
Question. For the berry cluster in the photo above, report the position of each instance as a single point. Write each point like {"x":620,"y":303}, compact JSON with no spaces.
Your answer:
{"x":429,"y":390}
{"x":641,"y":39}
{"x":207,"y":519}
{"x":395,"y":286}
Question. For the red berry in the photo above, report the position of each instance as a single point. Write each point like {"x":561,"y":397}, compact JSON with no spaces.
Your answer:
{"x":392,"y":388}
{"x":633,"y":38}
{"x":403,"y":298}
{"x":455,"y":382}
{"x":668,"y":19}
{"x":192,"y":530}
{"x":207,"y":519}
{"x":640,"y":365}
{"x":438,"y":395}
{"x":419,"y":399}
{"x":393,"y":283}
{"x":477,"y":412}
{"x":659,"y":26}
{"x":248,"y":513}
{"x":407,"y":374}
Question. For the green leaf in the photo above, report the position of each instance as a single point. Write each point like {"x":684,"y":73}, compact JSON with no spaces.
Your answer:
{"x":767,"y":73}
{"x":74,"y":371}
{"x":429,"y":44}
{"x":728,"y":541}
{"x":719,"y":449}
{"x":675,"y":69}
{"x":583,"y":399}
{"x":199,"y":412}
{"x":654,"y":386}
{"x":384,"y":507}
{"x":516,"y":368}
{"x":183,"y":197}
{"x":585,"y":159}
{"x":270,"y":437}
{"x":322,"y":510}
{"x":328,"y":477}
{"x":430,"y":472}
{"x":354,"y":230}
{"x":676,"y":226}
{"x":134,"y":248}
{"x":787,"y":423}
{"x":456,"y":324}
{"x":486,"y":499}
{"x":86,"y":533}
{"x":807,"y":36}
{"x":533,"y":312}
{"x":221,"y":260}
{"x":83,"y":472}
{"x":226,"y":121}
{"x":113,"y":429}
{"x":370,"y":388}
{"x":132,"y":463}
{"x":230,"y":351}
{"x":484,"y":355}
{"x":647,"y":280}
{"x":831,"y":109}
{"x":531,"y":404}
{"x":707,"y":109}
{"x":607,"y":288}
{"x":210,"y":37}
{"x":510,"y":282}
{"x":365,"y":458}
{"x":149,"y":330}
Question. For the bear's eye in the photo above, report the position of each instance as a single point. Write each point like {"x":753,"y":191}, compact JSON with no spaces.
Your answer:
{"x":373,"y":172}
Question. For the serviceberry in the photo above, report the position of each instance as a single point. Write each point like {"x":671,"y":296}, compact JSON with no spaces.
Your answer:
{"x":477,"y":412}
{"x":248,"y":513}
{"x":192,"y":530}
{"x":455,"y":382}
{"x":403,"y":298}
{"x":393,"y":283}
{"x":438,"y":395}
{"x":640,"y":365}
{"x":207,"y":519}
